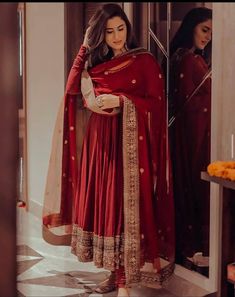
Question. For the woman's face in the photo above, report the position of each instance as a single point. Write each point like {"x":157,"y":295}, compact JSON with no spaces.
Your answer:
{"x":202,"y":34}
{"x":116,"y":34}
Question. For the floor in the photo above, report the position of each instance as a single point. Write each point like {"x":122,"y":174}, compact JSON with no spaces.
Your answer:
{"x":47,"y":270}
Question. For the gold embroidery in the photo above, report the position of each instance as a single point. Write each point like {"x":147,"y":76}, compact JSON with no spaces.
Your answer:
{"x":149,"y":120}
{"x":164,"y":275}
{"x":105,"y":252}
{"x":121,"y":66}
{"x":131,"y":193}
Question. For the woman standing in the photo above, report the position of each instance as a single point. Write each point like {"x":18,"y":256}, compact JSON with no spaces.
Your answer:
{"x":114,"y":197}
{"x":190,"y":106}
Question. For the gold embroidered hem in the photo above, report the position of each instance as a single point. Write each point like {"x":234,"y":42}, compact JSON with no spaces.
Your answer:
{"x":105,"y":252}
{"x":131,"y":193}
{"x":154,"y":277}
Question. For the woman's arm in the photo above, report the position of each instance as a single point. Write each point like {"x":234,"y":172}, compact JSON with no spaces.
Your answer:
{"x":73,"y":86}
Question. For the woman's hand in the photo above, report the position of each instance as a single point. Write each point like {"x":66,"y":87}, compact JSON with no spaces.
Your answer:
{"x":106,"y":101}
{"x":86,"y":37}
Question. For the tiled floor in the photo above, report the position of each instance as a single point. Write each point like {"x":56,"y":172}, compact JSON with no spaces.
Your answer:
{"x":46,"y":270}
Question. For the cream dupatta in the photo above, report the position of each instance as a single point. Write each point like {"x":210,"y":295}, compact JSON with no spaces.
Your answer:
{"x":61,"y":235}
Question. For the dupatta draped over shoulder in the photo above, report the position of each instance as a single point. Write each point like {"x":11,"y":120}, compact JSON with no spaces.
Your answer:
{"x":144,"y":242}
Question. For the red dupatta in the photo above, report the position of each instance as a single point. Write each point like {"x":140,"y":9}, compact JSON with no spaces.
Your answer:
{"x":148,"y":201}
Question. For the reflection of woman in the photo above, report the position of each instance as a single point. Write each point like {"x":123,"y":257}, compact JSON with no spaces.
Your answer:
{"x":190,"y":133}
{"x":115,"y":201}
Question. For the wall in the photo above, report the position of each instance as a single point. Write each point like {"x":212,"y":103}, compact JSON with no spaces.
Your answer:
{"x":44,"y":88}
{"x":223,"y":122}
{"x":223,"y":119}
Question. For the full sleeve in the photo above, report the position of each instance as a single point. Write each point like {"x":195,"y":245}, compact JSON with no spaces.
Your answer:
{"x":73,"y":86}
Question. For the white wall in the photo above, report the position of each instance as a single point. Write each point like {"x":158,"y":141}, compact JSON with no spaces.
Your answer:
{"x":223,"y":79}
{"x":44,"y":87}
{"x":223,"y":119}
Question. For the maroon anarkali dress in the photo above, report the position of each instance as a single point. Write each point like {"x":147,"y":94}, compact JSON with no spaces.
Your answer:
{"x":190,"y":146}
{"x":116,"y":197}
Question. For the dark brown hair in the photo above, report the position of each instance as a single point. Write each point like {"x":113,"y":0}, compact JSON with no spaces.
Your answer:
{"x":184,"y":36}
{"x":96,"y":36}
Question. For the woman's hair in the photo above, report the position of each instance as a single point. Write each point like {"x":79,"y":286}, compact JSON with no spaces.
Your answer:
{"x":96,"y":36}
{"x":184,"y":37}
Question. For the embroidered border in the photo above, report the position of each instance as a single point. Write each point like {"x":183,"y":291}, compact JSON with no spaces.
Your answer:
{"x":105,"y":252}
{"x":131,"y":193}
{"x":160,"y":278}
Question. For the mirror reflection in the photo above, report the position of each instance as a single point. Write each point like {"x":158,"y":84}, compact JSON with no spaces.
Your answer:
{"x":189,"y":131}
{"x":180,"y":37}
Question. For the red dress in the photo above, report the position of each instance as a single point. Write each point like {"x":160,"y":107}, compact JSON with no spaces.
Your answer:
{"x":190,"y":143}
{"x":117,"y":198}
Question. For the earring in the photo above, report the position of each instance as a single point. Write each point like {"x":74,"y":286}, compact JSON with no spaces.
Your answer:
{"x":105,"y":49}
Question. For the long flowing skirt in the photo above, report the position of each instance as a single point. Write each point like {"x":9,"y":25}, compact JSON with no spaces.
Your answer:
{"x":98,"y":212}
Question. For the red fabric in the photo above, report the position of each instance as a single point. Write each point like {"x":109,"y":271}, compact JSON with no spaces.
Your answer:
{"x":190,"y":136}
{"x":120,"y":277}
{"x":99,"y":198}
{"x":95,"y":187}
{"x":146,"y":90}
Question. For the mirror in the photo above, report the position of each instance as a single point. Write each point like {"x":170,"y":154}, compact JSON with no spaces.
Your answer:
{"x":189,"y":98}
{"x":189,"y":130}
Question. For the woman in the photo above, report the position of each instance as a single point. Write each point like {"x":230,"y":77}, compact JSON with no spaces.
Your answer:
{"x":190,"y":107}
{"x":114,"y":197}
